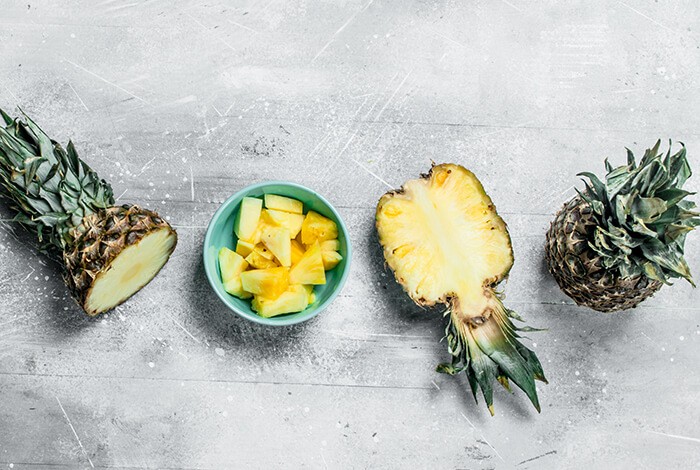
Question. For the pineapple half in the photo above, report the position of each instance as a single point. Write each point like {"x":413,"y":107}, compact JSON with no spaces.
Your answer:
{"x":447,"y":245}
{"x":109,"y":252}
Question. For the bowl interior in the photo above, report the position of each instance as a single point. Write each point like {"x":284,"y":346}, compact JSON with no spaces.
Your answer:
{"x":220,"y":234}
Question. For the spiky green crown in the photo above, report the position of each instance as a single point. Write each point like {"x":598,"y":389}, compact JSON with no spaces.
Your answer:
{"x":643,"y":216}
{"x":50,"y":188}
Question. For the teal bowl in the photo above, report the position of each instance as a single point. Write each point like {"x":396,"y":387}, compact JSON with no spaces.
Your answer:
{"x":220,"y":234}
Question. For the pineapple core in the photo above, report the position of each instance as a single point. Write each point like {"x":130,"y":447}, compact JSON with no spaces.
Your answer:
{"x":443,"y":239}
{"x":130,"y":271}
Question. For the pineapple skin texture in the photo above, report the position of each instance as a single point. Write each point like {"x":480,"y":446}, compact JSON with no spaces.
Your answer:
{"x":579,"y":270}
{"x":99,"y":239}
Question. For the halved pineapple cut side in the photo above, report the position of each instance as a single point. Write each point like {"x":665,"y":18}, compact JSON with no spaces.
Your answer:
{"x":446,"y":244}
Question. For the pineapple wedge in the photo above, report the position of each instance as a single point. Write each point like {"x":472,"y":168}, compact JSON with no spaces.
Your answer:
{"x":330,"y":259}
{"x":281,"y":203}
{"x":231,"y":265}
{"x":317,"y":228}
{"x":286,"y":219}
{"x":278,"y":242}
{"x":294,"y":299}
{"x":263,"y":251}
{"x":330,"y":245}
{"x":257,"y":261}
{"x":247,"y":218}
{"x":309,"y":269}
{"x":269,"y":283}
{"x":244,"y":248}
{"x":297,"y":251}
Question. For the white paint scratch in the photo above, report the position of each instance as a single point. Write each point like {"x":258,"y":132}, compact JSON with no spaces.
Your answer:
{"x":436,"y":385}
{"x":75,"y":433}
{"x":191,"y":183}
{"x":30,"y":273}
{"x":512,"y":6}
{"x":380,"y":96}
{"x":447,"y":38}
{"x":183,"y":328}
{"x":146,"y":166}
{"x":217,"y":111}
{"x":106,"y":81}
{"x":321,"y":142}
{"x":340,"y":30}
{"x":242,"y":26}
{"x":482,"y":436}
{"x":79,"y":98}
{"x":392,"y":95}
{"x":120,"y":196}
{"x":12,"y":95}
{"x":645,"y":16}
{"x":372,"y":173}
{"x":227,"y":44}
{"x":229,"y":109}
{"x":676,"y":436}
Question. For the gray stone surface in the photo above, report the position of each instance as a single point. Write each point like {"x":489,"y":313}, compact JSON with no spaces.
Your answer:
{"x":181,"y":103}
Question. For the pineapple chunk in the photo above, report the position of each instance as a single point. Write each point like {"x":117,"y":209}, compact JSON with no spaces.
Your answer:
{"x":244,"y":248}
{"x":257,"y":261}
{"x":281,"y":203}
{"x":269,"y":283}
{"x":330,"y":245}
{"x":263,"y":251}
{"x":286,"y":219}
{"x":278,"y":242}
{"x":294,"y":299}
{"x":231,"y":264}
{"x":310,"y":293}
{"x":247,"y":218}
{"x":317,"y":228}
{"x":330,"y":259}
{"x":297,"y":251}
{"x":309,"y":269}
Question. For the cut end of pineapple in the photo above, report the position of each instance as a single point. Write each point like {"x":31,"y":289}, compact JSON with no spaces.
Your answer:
{"x":130,"y":270}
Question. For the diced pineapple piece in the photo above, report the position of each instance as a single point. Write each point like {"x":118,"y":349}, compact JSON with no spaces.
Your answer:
{"x":247,"y":218}
{"x":235,"y":287}
{"x":278,"y":242}
{"x":317,"y":228}
{"x":268,"y":283}
{"x":264,"y":223}
{"x":309,"y":269}
{"x":297,"y":251}
{"x":330,"y":259}
{"x":257,"y":261}
{"x":281,"y":203}
{"x":310,"y":293}
{"x":263,"y":251}
{"x":330,"y":245}
{"x":231,"y":264}
{"x":286,"y":219}
{"x":294,"y":299}
{"x":244,"y":248}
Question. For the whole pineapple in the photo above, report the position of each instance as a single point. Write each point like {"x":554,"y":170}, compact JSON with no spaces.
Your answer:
{"x":110,"y":252}
{"x":617,"y":242}
{"x":447,"y":245}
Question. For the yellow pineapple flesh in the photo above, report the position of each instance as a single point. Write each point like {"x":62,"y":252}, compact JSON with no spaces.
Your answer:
{"x":269,"y":283}
{"x":317,"y":228}
{"x":294,"y":299}
{"x":309,"y":269}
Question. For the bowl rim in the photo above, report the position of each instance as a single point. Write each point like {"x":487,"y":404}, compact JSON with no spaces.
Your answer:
{"x":292,"y":319}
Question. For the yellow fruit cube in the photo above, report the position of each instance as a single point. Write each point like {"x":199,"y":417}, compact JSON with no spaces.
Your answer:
{"x":263,"y":251}
{"x":286,"y":219}
{"x":257,"y":261}
{"x":294,"y":299}
{"x":330,"y":245}
{"x":244,"y":248}
{"x":269,"y":283}
{"x":297,"y":251}
{"x":317,"y":228}
{"x":231,"y":264}
{"x":330,"y":259}
{"x":277,"y":241}
{"x":281,"y":203}
{"x":309,"y":269}
{"x":247,"y":218}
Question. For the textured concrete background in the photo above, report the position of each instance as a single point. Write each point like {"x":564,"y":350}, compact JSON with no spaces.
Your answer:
{"x":181,"y":103}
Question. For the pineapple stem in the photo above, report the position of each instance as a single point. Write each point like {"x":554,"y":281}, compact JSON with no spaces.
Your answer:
{"x":487,"y":349}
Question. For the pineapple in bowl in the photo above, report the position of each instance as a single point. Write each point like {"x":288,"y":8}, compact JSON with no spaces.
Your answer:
{"x":277,"y":253}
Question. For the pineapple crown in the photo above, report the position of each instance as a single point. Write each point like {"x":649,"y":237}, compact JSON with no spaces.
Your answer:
{"x":642,"y":215}
{"x":51,"y":189}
